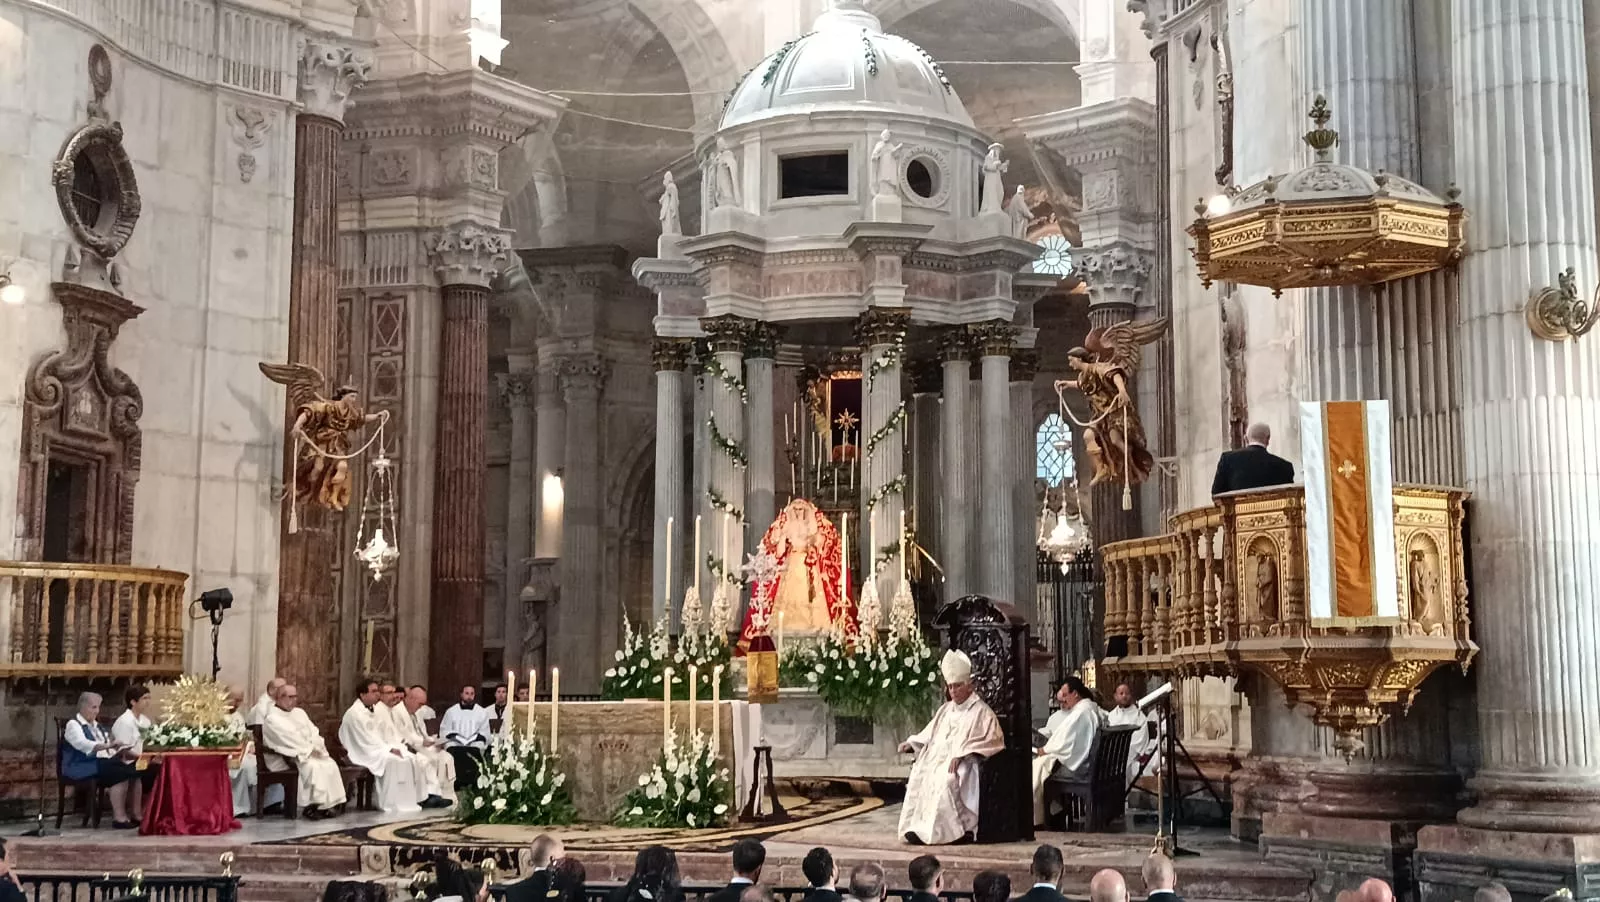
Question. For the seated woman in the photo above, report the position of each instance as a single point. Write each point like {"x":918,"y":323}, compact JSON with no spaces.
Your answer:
{"x":91,"y":754}
{"x":655,"y":878}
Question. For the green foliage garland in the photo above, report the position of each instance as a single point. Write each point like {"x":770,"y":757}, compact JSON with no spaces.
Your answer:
{"x":518,"y":784}
{"x":896,"y":420}
{"x":727,"y":445}
{"x":687,"y":787}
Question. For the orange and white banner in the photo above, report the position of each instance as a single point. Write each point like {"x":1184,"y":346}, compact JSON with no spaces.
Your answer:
{"x":1350,"y":565}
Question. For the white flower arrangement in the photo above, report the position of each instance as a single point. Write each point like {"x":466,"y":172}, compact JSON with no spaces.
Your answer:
{"x":518,"y":784}
{"x":686,"y":787}
{"x":170,"y":734}
{"x":643,"y":659}
{"x":890,"y":679}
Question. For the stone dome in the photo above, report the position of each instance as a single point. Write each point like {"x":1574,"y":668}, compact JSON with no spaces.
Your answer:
{"x":847,"y":62}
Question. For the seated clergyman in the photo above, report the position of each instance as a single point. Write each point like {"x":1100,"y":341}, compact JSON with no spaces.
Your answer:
{"x":1069,"y":750}
{"x":410,"y":722}
{"x":291,"y":736}
{"x":241,"y":779}
{"x":465,"y":731}
{"x":942,"y":795}
{"x":371,"y":741}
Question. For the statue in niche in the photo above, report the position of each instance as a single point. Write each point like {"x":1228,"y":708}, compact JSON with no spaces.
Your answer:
{"x":1427,"y":607}
{"x":1266,"y":585}
{"x":671,"y":224}
{"x":321,"y":431}
{"x":725,"y":172}
{"x":886,"y":165}
{"x":807,"y":592}
{"x":537,"y":596}
{"x":1233,"y":367}
{"x":1021,"y":216}
{"x":1114,"y":436}
{"x":1224,"y":64}
{"x":994,"y":186}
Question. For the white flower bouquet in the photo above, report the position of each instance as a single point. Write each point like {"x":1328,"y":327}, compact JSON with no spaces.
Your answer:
{"x":642,"y":661}
{"x":687,"y":787}
{"x":890,"y":680}
{"x":518,"y":784}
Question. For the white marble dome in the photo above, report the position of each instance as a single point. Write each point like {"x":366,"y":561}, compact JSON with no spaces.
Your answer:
{"x":847,"y":61}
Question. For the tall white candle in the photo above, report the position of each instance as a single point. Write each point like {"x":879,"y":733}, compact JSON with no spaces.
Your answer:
{"x":694,"y":689}
{"x":904,"y":546}
{"x":666,"y":590}
{"x":716,"y":709}
{"x":555,"y":706}
{"x":533,"y":697}
{"x":666,"y":708}
{"x":511,"y":700}
{"x":872,"y":547}
{"x":696,"y":562}
{"x":844,"y":557}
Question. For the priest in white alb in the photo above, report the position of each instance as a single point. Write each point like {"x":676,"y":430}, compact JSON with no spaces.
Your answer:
{"x":407,"y":713}
{"x":1069,"y":750}
{"x":371,"y":743}
{"x":401,"y":729}
{"x":290,"y":734}
{"x":941,"y":803}
{"x":1141,"y":747}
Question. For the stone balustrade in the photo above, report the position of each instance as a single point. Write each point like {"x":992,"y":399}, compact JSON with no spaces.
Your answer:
{"x":1225,"y":591}
{"x":92,"y":620}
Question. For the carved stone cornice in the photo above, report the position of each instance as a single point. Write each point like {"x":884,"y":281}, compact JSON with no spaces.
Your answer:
{"x":582,"y":376}
{"x":1116,"y":273}
{"x":1024,"y":364}
{"x":331,"y":68}
{"x":727,"y":333}
{"x":882,"y":326}
{"x":763,"y":340}
{"x":671,"y":354}
{"x":468,"y":253}
{"x":995,"y":338}
{"x":955,"y":345}
{"x":470,"y":103}
{"x":517,"y":389}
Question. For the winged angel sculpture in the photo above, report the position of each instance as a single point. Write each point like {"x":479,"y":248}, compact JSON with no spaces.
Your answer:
{"x":1114,"y":437}
{"x":321,"y":431}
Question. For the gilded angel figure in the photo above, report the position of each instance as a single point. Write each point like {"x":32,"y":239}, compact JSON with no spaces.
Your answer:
{"x":321,"y":430}
{"x":1105,"y":364}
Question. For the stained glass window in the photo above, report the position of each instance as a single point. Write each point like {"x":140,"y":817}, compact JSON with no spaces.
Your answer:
{"x":1057,"y":256}
{"x":1053,"y":451}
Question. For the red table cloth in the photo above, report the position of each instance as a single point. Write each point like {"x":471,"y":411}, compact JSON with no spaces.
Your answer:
{"x":191,"y":797}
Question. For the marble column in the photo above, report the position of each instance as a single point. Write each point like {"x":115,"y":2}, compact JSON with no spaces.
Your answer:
{"x":1166,"y":426}
{"x":584,"y":643}
{"x":550,"y":459}
{"x":761,"y":477}
{"x":955,"y":447}
{"x":727,"y":451}
{"x":927,"y":487}
{"x":308,"y":650}
{"x":671,"y":357}
{"x":997,"y":529}
{"x":1024,"y":479}
{"x":1529,"y":419}
{"x":881,"y":333}
{"x":700,"y":504}
{"x":517,"y":389}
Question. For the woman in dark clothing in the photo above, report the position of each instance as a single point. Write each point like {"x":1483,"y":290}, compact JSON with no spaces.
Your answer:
{"x":655,"y":878}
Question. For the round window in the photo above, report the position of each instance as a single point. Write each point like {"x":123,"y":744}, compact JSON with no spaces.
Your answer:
{"x":1057,"y":256}
{"x":922,"y":177}
{"x":96,"y":188}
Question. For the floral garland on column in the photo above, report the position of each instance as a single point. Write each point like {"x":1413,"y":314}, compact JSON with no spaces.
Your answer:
{"x":723,"y":571}
{"x":891,"y":358}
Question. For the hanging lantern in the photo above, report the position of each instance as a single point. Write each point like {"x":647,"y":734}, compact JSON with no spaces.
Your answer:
{"x":380,"y":551}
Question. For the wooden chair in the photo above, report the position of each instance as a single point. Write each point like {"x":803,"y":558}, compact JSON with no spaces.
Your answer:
{"x":1094,"y":802}
{"x":288,"y":779}
{"x":89,"y":786}
{"x":360,"y":787}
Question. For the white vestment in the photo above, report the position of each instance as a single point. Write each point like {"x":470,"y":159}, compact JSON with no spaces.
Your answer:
{"x":292,"y":735}
{"x":1070,"y":748}
{"x":941,"y":807}
{"x":465,"y":727}
{"x":401,"y":777}
{"x":1055,"y":720}
{"x":441,"y":767}
{"x":1131,"y":716}
{"x":243,"y":778}
{"x":258,"y":711}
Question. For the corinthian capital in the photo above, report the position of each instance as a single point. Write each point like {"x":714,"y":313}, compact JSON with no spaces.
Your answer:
{"x":329,"y":70}
{"x":468,"y":253}
{"x":1115,"y":273}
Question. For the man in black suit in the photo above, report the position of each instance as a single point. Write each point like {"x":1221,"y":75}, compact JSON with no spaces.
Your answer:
{"x":991,"y":886}
{"x":748,"y":857}
{"x":866,"y":883}
{"x":1046,"y":870}
{"x":1160,"y":881}
{"x":1253,"y":466}
{"x":544,"y":853}
{"x":821,"y":874}
{"x":927,"y":879}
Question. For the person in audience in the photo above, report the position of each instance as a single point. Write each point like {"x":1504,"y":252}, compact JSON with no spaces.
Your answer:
{"x":991,"y":886}
{"x":927,"y":879}
{"x":454,"y":883}
{"x":1253,"y":466}
{"x":748,"y":858}
{"x":655,"y":878}
{"x":370,"y":741}
{"x":91,"y":753}
{"x":866,"y":882}
{"x":10,"y":884}
{"x":1160,"y":880}
{"x":1126,"y":713}
{"x":1492,"y":892}
{"x":258,"y":712}
{"x":1046,"y":871}
{"x":1375,"y":890}
{"x":1071,"y":746}
{"x":569,"y":881}
{"x":242,"y":779}
{"x":522,"y":693}
{"x":1108,"y":886}
{"x":128,"y":730}
{"x":821,"y":874}
{"x":406,"y":713}
{"x":290,"y":735}
{"x":465,"y":730}
{"x":757,"y":893}
{"x":545,"y":851}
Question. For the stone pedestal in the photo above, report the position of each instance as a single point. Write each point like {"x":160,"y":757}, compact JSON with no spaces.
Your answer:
{"x":809,"y":740}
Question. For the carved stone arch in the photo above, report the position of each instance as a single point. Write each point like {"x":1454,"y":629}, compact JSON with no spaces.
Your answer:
{"x":702,"y":52}
{"x":80,"y":436}
{"x":631,"y":507}
{"x":1066,"y":16}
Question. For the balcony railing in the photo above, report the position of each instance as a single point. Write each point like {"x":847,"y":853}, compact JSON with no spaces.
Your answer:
{"x":91,"y":620}
{"x":1225,"y":592}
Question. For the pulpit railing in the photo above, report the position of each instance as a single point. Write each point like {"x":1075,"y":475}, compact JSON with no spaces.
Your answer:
{"x":99,"y":620}
{"x":1225,"y":591}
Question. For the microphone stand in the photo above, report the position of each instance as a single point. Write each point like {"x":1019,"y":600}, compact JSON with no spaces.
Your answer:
{"x":216,"y":629}
{"x":39,"y":828}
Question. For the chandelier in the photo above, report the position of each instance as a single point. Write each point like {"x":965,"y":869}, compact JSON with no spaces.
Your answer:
{"x":379,"y":551}
{"x":1062,"y":533}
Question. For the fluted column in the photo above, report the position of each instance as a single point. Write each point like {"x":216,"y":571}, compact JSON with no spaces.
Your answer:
{"x":671,"y":356}
{"x":700,"y":504}
{"x":881,"y":334}
{"x":307,"y":651}
{"x":467,"y":256}
{"x":925,"y":519}
{"x":760,"y":478}
{"x":584,"y":642}
{"x":996,"y":539}
{"x":1529,"y":419}
{"x":517,"y":389}
{"x":955,"y":445}
{"x":1023,"y":457}
{"x":726,"y":450}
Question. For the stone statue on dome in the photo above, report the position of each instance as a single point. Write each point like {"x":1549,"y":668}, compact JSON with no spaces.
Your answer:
{"x":886,"y":165}
{"x":994,"y":186}
{"x":725,"y":170}
{"x":1021,"y":215}
{"x":807,"y":590}
{"x":670,"y":222}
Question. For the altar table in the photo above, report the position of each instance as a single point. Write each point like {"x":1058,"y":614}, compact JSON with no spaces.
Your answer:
{"x":191,"y":796}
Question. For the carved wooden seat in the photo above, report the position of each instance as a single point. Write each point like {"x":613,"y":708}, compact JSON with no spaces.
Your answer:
{"x":1096,"y":801}
{"x":86,"y":793}
{"x":288,"y":779}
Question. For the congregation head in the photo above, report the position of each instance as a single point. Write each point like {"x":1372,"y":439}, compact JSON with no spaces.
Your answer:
{"x":275,"y":685}
{"x":288,"y":697}
{"x":416,"y":697}
{"x":1258,"y":434}
{"x":956,"y":668}
{"x":748,"y":857}
{"x":1375,"y":890}
{"x":545,"y":850}
{"x":655,"y":871}
{"x":991,"y":886}
{"x":469,"y":696}
{"x":1073,"y":690}
{"x":569,"y":878}
{"x":1157,"y":873}
{"x":866,"y":882}
{"x":755,"y":892}
{"x":1108,"y":886}
{"x":1047,"y":865}
{"x":926,"y":874}
{"x":818,"y":867}
{"x":1492,"y":892}
{"x":500,"y":694}
{"x":388,"y":694}
{"x":367,"y":691}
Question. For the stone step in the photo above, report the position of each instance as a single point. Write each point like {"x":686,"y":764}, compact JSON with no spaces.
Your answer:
{"x":196,"y":856}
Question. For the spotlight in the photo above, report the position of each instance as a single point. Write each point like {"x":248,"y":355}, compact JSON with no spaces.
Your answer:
{"x":1219,"y":205}
{"x":216,"y":600}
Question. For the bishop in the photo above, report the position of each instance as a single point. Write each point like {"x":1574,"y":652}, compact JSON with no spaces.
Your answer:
{"x":942,"y":795}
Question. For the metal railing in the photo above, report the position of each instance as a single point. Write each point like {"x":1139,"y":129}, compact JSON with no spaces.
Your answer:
{"x":601,"y":892}
{"x":99,"y":620}
{"x":88,"y":888}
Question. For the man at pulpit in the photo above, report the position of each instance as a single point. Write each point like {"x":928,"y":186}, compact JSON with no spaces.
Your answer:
{"x":807,"y":590}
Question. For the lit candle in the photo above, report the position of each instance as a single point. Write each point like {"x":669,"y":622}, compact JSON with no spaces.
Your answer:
{"x":666,"y":590}
{"x":511,"y":700}
{"x":697,"y":567}
{"x":666,"y":708}
{"x":366,"y":656}
{"x":716,"y":705}
{"x":555,"y":705}
{"x":904,"y":546}
{"x":872,"y":548}
{"x":844,"y":557}
{"x":694,"y":691}
{"x":533,"y":696}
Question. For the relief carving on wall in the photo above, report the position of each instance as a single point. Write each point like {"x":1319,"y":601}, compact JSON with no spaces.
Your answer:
{"x":1224,"y":82}
{"x":250,"y":127}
